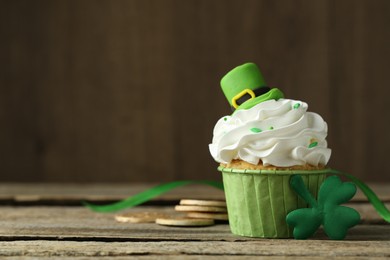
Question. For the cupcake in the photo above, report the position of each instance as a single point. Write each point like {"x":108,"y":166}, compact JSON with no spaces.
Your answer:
{"x":260,"y":146}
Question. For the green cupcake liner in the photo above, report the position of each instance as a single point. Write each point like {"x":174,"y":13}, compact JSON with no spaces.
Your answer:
{"x":258,"y":201}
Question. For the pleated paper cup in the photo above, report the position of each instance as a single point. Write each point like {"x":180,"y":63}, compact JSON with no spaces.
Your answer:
{"x":258,"y":201}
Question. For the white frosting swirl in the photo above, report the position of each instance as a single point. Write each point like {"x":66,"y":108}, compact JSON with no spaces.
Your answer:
{"x":279,"y":133}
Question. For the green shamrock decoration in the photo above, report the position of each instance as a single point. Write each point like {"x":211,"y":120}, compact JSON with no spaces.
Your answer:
{"x":327,"y":211}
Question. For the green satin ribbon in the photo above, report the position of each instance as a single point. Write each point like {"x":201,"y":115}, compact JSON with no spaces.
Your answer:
{"x":163,"y":188}
{"x":147,"y":195}
{"x":370,"y":194}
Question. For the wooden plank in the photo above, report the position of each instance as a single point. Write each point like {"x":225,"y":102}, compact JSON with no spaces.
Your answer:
{"x":367,"y":213}
{"x":198,"y":256}
{"x":55,"y":193}
{"x":78,"y":232}
{"x":382,"y":190}
{"x":79,"y":222}
{"x":192,"y":257}
{"x":74,"y":193}
{"x":261,"y":247}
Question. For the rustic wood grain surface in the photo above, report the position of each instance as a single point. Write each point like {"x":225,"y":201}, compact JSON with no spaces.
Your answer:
{"x":31,"y":231}
{"x":129,"y":90}
{"x":62,"y":194}
{"x":22,"y":193}
{"x":74,"y":231}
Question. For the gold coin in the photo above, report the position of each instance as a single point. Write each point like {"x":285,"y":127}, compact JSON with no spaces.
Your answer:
{"x":185,"y":222}
{"x":187,"y":208}
{"x":216,"y":203}
{"x":140,"y":217}
{"x":207,"y":215}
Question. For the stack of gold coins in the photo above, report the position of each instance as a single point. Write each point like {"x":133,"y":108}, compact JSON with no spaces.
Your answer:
{"x":197,"y":213}
{"x":204,"y":209}
{"x":189,"y":213}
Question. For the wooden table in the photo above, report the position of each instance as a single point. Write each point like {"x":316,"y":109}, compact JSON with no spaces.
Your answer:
{"x":47,"y":220}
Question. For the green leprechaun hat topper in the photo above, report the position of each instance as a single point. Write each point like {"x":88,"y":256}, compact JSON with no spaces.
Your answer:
{"x":244,"y":87}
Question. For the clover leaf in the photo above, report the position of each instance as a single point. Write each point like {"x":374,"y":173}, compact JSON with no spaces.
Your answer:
{"x":335,"y":219}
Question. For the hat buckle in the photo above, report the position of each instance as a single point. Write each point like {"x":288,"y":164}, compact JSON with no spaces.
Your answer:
{"x":240,"y":95}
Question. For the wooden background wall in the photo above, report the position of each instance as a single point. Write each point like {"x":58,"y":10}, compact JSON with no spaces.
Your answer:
{"x":128,"y":91}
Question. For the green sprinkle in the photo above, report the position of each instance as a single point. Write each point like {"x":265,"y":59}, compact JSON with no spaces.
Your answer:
{"x":271,"y":128}
{"x":225,"y":118}
{"x":313,"y":144}
{"x":297,"y":105}
{"x":255,"y":130}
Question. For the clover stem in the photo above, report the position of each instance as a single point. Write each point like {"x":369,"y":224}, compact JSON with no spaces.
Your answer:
{"x":299,"y":187}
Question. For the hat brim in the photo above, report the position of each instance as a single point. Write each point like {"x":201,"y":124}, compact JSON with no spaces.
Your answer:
{"x":274,"y":93}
